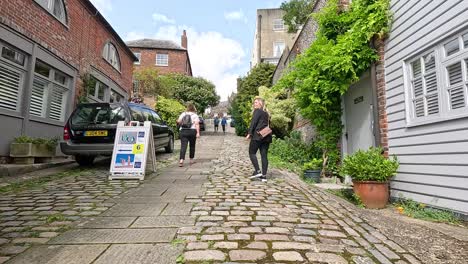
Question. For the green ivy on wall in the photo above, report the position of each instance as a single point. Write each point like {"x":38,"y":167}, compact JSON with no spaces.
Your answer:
{"x":337,"y":58}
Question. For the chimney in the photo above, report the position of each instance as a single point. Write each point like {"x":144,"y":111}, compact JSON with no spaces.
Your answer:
{"x":184,"y":40}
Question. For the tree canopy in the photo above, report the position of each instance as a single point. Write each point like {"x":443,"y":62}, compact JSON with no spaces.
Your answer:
{"x":296,"y":13}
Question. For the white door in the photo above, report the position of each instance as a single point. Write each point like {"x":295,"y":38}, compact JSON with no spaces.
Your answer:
{"x":358,"y":116}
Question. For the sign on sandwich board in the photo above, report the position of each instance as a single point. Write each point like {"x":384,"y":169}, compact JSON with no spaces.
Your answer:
{"x":134,"y":154}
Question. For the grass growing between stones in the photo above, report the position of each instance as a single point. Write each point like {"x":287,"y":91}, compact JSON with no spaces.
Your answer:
{"x":349,"y":195}
{"x":178,"y":241}
{"x":180,"y":259}
{"x":55,"y":218}
{"x":421,"y":211}
{"x":40,"y":182}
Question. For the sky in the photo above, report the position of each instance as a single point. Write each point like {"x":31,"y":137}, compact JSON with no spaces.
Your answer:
{"x":220,"y":32}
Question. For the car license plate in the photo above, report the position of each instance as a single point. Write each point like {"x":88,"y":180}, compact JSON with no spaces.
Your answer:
{"x":96,"y":133}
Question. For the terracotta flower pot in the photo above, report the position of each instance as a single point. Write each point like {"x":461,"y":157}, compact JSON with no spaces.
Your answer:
{"x":373,"y":194}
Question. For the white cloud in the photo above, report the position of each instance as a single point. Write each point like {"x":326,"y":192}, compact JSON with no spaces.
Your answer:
{"x":235,"y":15}
{"x":134,"y":35}
{"x":104,"y":6}
{"x":212,"y":56}
{"x":163,"y":19}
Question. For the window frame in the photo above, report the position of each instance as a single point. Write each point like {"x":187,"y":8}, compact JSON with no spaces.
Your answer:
{"x":21,"y":70}
{"x":442,"y":62}
{"x":50,"y":9}
{"x":50,"y":86}
{"x":275,"y":43}
{"x":106,"y":52}
{"x":97,"y":87}
{"x":276,"y":24}
{"x":138,"y":57}
{"x":167,"y":59}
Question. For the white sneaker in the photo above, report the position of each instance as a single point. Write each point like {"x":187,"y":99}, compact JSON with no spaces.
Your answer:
{"x":263,"y":178}
{"x":256,"y":175}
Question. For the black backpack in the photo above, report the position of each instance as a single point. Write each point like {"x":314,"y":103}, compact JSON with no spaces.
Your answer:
{"x":186,"y":121}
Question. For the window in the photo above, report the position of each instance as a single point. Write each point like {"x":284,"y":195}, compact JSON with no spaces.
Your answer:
{"x":137,"y":114}
{"x":157,"y":118}
{"x":278,"y":48}
{"x":96,"y":89}
{"x":12,"y":72}
{"x":136,"y":88}
{"x":110,"y":54}
{"x":162,"y":59}
{"x":278,"y":25}
{"x":438,"y":82}
{"x":115,"y":97}
{"x":55,"y":8}
{"x":138,"y":55}
{"x":49,"y":92}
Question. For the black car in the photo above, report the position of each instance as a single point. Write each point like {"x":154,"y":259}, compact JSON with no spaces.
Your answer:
{"x":90,"y":130}
{"x":201,"y":123}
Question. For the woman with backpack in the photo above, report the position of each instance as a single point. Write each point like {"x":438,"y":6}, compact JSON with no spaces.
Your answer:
{"x":189,"y":132}
{"x":260,"y":138}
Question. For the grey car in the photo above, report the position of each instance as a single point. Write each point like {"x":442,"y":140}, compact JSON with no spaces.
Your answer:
{"x":90,"y":130}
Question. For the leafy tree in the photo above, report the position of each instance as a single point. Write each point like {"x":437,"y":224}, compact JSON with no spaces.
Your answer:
{"x":281,"y":109}
{"x":199,"y":91}
{"x":169,"y":109}
{"x":247,"y":89}
{"x":150,"y":82}
{"x":296,"y":13}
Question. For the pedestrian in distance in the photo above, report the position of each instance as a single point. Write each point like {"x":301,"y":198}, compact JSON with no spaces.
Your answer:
{"x":216,"y":123}
{"x":223,"y":124}
{"x":258,"y":125}
{"x":189,"y":125}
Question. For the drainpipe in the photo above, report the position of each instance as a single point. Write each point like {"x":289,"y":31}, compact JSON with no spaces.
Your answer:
{"x":259,"y":39}
{"x":375,"y":103}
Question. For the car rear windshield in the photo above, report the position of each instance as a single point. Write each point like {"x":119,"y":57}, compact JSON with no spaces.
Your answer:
{"x":98,"y":114}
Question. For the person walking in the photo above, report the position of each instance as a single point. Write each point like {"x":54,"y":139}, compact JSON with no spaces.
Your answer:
{"x":223,"y":124}
{"x":216,"y":123}
{"x":260,"y":120}
{"x":189,"y":132}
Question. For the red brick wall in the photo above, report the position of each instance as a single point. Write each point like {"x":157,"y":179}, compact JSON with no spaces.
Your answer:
{"x":79,"y":42}
{"x":177,"y":60}
{"x":381,"y":98}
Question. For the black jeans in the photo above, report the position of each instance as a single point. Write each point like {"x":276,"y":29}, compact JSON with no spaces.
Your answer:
{"x":187,"y":136}
{"x":216,"y":127}
{"x":254,"y":146}
{"x":224,"y":128}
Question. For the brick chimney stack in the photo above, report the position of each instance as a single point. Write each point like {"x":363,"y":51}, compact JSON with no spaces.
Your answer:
{"x":184,"y":40}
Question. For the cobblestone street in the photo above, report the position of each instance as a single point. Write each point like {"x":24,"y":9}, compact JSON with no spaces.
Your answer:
{"x":209,"y":212}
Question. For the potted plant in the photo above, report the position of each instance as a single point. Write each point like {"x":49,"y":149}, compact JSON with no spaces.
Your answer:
{"x":370,"y":172}
{"x":312,"y":169}
{"x":25,"y":149}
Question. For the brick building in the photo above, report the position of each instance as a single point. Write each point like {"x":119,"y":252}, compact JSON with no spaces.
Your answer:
{"x":163,"y":55}
{"x":48,"y":47}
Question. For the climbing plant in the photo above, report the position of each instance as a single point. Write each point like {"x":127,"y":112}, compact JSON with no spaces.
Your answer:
{"x":335,"y":60}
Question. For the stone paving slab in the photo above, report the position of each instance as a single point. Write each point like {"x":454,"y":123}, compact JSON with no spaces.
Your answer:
{"x":177,"y":209}
{"x":164,"y":221}
{"x":106,"y":222}
{"x":135,"y":210}
{"x":106,"y":236}
{"x":141,"y":254}
{"x":70,"y":254}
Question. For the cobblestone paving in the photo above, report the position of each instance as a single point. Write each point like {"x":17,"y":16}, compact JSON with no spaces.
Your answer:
{"x":34,"y":216}
{"x":283,"y":220}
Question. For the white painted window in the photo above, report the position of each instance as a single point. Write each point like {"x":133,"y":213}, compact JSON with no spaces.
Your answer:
{"x":97,"y":90}
{"x":278,"y":25}
{"x":162,"y":59}
{"x":55,"y":8}
{"x":111,"y":55}
{"x":138,"y":55}
{"x":115,"y":97}
{"x":49,"y":92}
{"x":437,"y":82}
{"x":278,"y":48}
{"x":12,"y":72}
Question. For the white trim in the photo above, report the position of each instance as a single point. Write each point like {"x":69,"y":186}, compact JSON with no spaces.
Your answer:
{"x":162,"y":61}
{"x":138,"y":55}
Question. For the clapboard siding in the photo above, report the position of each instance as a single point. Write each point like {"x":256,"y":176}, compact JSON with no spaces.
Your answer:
{"x":443,"y":181}
{"x":436,"y":201}
{"x":433,"y":157}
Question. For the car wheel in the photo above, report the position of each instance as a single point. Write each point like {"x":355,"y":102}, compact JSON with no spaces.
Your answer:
{"x":84,"y":160}
{"x":170,"y":145}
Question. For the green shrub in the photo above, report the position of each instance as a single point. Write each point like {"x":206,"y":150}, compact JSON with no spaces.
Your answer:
{"x":169,"y":110}
{"x":50,"y":142}
{"x":421,"y":211}
{"x":369,"y":165}
{"x":314,"y":164}
{"x":293,"y":150}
